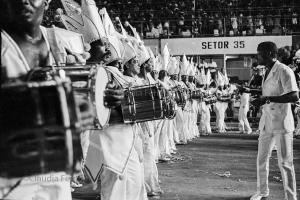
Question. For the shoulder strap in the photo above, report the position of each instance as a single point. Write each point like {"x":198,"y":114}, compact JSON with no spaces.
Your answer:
{"x":57,"y":50}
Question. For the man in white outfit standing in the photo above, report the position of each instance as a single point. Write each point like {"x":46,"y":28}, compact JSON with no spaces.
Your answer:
{"x":276,"y":125}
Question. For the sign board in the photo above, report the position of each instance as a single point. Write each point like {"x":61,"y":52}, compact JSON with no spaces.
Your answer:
{"x":221,"y":45}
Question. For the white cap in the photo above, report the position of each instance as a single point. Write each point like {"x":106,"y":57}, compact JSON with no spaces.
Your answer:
{"x":87,"y":22}
{"x":151,"y":54}
{"x":138,"y":44}
{"x":157,"y":63}
{"x":129,"y":52}
{"x":201,"y":77}
{"x":191,"y":69}
{"x":208,"y":77}
{"x":165,"y":58}
{"x":126,"y":50}
{"x":184,"y":66}
{"x":220,"y":79}
{"x":225,"y":76}
{"x":107,"y":23}
{"x":114,"y":48}
{"x":173,"y":66}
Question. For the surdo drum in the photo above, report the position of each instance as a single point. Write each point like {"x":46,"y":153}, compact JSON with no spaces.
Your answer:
{"x":39,"y":128}
{"x":143,"y":103}
{"x":91,"y":81}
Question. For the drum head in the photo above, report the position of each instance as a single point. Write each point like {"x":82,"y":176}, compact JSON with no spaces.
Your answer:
{"x":102,"y":112}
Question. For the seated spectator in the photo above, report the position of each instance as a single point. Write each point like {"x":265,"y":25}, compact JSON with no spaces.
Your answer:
{"x":250,"y":26}
{"x":269,"y":23}
{"x":234,"y":24}
{"x":241,"y":23}
{"x":295,"y":26}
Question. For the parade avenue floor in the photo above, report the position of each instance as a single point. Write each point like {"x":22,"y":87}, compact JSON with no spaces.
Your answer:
{"x":217,"y":167}
{"x":220,"y":168}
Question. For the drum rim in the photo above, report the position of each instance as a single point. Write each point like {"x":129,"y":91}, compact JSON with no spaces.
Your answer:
{"x":103,"y":113}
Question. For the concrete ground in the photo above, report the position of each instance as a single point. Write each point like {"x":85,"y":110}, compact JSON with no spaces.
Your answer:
{"x":217,"y":167}
{"x":220,"y":167}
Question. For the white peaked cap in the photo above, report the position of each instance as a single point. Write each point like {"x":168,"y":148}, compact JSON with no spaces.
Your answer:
{"x":191,"y":69}
{"x":208,"y":77}
{"x":157,"y":63}
{"x":184,"y":66}
{"x":88,"y":22}
{"x":165,"y":58}
{"x":114,"y":48}
{"x":129,"y":50}
{"x":142,"y":53}
{"x":201,"y":77}
{"x":123,"y":48}
{"x":151,"y":54}
{"x":173,"y":66}
{"x":226,"y":80}
{"x":220,"y":79}
{"x":123,"y":32}
{"x":107,"y":23}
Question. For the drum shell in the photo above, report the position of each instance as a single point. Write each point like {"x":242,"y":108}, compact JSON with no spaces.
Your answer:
{"x":37,"y":135}
{"x":84,"y":81}
{"x":180,"y":98}
{"x":196,"y":94}
{"x":144,"y":103}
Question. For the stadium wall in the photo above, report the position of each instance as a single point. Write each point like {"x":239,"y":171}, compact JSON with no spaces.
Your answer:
{"x":240,"y":51}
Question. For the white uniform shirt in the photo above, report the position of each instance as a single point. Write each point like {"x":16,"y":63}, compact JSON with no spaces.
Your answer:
{"x":203,"y":65}
{"x":278,"y":117}
{"x":12,"y":58}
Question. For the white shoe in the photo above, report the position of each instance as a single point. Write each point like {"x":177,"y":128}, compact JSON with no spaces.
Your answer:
{"x":258,"y":196}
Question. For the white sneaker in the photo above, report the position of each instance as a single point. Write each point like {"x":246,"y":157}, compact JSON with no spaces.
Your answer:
{"x":258,"y":196}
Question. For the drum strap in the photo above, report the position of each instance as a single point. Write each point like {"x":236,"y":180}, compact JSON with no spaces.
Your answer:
{"x":57,"y":50}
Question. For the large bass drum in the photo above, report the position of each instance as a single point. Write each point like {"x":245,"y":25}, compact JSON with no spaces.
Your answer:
{"x":39,"y":128}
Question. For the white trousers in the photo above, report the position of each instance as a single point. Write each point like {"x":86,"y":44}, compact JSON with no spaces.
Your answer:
{"x":205,"y":119}
{"x":243,"y":120}
{"x":284,"y":143}
{"x":220,"y":109}
{"x":130,"y":186}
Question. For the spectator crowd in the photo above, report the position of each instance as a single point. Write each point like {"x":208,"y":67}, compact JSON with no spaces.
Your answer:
{"x":198,"y":18}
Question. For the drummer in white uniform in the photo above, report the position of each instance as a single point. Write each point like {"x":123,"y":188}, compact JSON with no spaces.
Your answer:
{"x":180,"y":125}
{"x":219,"y":107}
{"x":194,"y":103}
{"x":112,"y":162}
{"x":276,"y":125}
{"x":184,"y":71}
{"x":22,"y":31}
